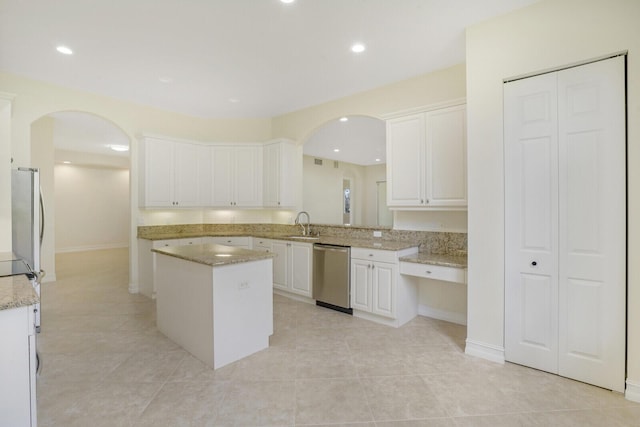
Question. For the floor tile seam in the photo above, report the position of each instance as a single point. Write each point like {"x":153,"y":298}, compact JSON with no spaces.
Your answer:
{"x":366,"y":399}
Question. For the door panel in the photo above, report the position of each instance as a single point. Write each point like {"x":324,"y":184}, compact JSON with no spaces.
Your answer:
{"x":384,"y":289}
{"x":592,"y":239}
{"x":531,"y":194}
{"x":361,"y":285}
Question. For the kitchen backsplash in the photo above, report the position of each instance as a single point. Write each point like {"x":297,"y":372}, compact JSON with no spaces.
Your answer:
{"x":430,"y":241}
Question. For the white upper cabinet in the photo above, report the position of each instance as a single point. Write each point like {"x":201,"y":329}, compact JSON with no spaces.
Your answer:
{"x":183,"y":174}
{"x":236,"y":174}
{"x":427,"y":159}
{"x":170,"y":173}
{"x":279,"y":171}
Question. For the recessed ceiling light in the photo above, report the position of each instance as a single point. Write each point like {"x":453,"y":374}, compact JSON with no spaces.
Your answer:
{"x":344,"y":119}
{"x":287,"y":1}
{"x":119,"y":147}
{"x":377,"y":160}
{"x":234,"y":100}
{"x":336,"y":150}
{"x":64,"y":50}
{"x":358,"y":48}
{"x":165,"y":79}
{"x":66,"y":162}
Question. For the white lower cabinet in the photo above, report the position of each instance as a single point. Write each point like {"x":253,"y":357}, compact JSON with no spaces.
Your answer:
{"x":378,"y":291}
{"x":292,"y":267}
{"x":18,"y":367}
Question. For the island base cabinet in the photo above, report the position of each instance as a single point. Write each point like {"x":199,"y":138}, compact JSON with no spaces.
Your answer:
{"x":17,"y":367}
{"x":218,"y":314}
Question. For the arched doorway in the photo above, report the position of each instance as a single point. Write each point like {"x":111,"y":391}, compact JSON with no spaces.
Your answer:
{"x":344,"y":164}
{"x":85,"y":183}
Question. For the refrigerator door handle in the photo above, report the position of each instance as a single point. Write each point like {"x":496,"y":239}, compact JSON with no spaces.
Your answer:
{"x":41,"y":218}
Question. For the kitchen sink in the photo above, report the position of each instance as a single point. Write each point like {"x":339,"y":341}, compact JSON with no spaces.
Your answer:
{"x":304,"y":237}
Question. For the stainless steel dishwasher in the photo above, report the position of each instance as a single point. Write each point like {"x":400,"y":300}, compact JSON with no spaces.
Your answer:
{"x":332,"y":277}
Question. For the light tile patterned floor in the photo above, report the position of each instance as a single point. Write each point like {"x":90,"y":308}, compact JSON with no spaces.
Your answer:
{"x":105,"y":364}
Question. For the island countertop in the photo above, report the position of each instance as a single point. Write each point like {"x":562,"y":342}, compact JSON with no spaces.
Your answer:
{"x":16,"y":291}
{"x":214,"y":255}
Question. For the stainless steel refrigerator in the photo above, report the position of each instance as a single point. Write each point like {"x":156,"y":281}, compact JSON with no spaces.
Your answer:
{"x":27,"y":223}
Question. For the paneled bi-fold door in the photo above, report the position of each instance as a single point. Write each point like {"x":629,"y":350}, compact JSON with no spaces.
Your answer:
{"x":565,"y":222}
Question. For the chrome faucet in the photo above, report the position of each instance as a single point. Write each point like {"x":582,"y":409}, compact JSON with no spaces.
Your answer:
{"x":306,"y":230}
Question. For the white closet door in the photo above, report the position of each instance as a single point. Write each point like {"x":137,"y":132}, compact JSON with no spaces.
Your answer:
{"x":565,"y":223}
{"x":592,"y":275}
{"x":531,"y":222}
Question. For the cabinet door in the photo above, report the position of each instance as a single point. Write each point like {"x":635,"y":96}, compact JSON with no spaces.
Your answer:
{"x":446,"y":157}
{"x":15,"y":369}
{"x":186,"y":174}
{"x":361,"y":285}
{"x":383,"y":285}
{"x":271,"y":195}
{"x":248,"y":176}
{"x":280,"y":263}
{"x":159,"y":172}
{"x":405,"y":159}
{"x":301,"y":259}
{"x":222,"y":167}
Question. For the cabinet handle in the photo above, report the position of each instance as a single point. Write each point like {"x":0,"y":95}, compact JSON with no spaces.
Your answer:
{"x":427,"y":201}
{"x":373,"y":266}
{"x":428,"y":272}
{"x":534,"y":263}
{"x":422,"y":201}
{"x":370,"y":254}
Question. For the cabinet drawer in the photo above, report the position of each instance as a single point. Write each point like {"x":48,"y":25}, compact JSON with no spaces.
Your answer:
{"x":261,"y":244}
{"x":436,"y":272}
{"x":231,"y":241}
{"x":374,"y":255}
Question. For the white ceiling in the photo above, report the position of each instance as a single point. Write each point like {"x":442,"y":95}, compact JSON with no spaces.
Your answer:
{"x":269,"y":57}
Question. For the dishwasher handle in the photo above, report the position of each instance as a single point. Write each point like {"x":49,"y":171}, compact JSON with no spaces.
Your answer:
{"x":330,"y":248}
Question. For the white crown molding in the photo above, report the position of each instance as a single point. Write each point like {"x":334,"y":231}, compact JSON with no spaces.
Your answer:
{"x":424,"y":108}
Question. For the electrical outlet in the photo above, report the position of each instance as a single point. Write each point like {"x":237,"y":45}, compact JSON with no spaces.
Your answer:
{"x":377,"y":234}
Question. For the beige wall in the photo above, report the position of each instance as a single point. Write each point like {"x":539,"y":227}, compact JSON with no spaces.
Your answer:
{"x":432,"y":88}
{"x":544,"y":36}
{"x":86,"y":196}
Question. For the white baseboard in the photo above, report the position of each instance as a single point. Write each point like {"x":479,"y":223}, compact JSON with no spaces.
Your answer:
{"x":92,"y":248}
{"x":448,"y":316}
{"x":295,"y":297}
{"x":49,"y":277}
{"x":632,"y":391}
{"x":133,"y":288}
{"x":490,"y":352}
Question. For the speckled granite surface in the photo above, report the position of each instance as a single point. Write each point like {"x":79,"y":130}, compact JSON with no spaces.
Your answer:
{"x":16,"y":291}
{"x":456,"y":261}
{"x":431,"y":242}
{"x":214,"y":255}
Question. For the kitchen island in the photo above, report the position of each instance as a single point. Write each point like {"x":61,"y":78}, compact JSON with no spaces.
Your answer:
{"x":215,"y":301}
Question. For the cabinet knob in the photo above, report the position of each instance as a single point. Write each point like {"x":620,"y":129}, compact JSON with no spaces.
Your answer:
{"x":534,"y":263}
{"x":427,"y":201}
{"x":428,"y":272}
{"x":422,"y":201}
{"x":370,"y":254}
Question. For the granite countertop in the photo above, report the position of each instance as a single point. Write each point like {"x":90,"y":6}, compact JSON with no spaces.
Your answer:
{"x":455,"y":261}
{"x":388,"y":245}
{"x":214,"y":255}
{"x":16,"y":291}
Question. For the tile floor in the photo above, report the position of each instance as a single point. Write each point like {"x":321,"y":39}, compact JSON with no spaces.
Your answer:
{"x":105,"y":364}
